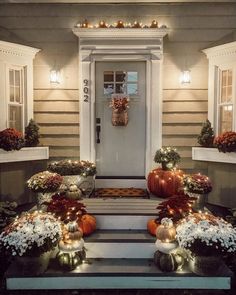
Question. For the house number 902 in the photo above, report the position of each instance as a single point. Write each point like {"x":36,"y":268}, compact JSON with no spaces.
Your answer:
{"x":86,"y":90}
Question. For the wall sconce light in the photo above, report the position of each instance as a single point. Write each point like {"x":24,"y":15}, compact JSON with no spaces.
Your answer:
{"x":185,"y":77}
{"x":55,"y":76}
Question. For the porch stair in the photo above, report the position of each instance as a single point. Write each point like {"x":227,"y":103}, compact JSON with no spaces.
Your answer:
{"x":119,"y":255}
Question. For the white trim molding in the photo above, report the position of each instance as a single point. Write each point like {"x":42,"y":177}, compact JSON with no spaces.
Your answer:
{"x":17,"y":49}
{"x":120,"y":45}
{"x":224,"y":50}
{"x":220,"y":57}
{"x":12,"y":54}
{"x":25,"y":154}
{"x":212,"y":155}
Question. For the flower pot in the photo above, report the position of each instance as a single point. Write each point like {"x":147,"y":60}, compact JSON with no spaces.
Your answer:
{"x":85,"y":183}
{"x":33,"y":265}
{"x":200,"y":202}
{"x":168,"y":165}
{"x":205,"y":265}
{"x":119,"y":118}
{"x":43,"y":198}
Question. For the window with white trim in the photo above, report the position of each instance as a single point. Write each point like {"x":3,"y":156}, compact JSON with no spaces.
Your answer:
{"x":225,"y":103}
{"x":16,"y":85}
{"x":17,"y":97}
{"x":222,"y":87}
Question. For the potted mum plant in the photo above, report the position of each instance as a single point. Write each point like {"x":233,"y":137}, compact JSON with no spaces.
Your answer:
{"x":166,"y":181}
{"x":45,"y":184}
{"x":226,"y":142}
{"x":176,"y":207}
{"x":197,"y":186}
{"x":11,"y":139}
{"x":31,"y":236}
{"x":79,"y":173}
{"x":207,"y":238}
{"x":7,"y":215}
{"x":72,"y":210}
{"x":168,"y":157}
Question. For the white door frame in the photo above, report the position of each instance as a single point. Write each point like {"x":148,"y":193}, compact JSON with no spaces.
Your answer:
{"x":120,"y":45}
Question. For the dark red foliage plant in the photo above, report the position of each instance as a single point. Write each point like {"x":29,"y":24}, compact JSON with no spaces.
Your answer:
{"x":176,"y":208}
{"x":66,"y":209}
{"x":226,"y":142}
{"x":11,"y":139}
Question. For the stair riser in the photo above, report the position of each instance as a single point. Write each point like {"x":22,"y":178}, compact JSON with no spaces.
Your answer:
{"x":120,"y":250}
{"x":122,"y":221}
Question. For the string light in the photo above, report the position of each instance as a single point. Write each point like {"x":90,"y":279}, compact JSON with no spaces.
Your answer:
{"x":103,"y":24}
{"x":119,"y":24}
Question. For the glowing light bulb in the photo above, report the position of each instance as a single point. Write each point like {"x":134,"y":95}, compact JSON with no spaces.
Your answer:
{"x":185,"y":77}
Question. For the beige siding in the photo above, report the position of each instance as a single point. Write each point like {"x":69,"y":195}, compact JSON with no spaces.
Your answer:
{"x":46,"y":118}
{"x":173,"y":118}
{"x":60,"y":152}
{"x":59,"y":130}
{"x":56,"y":106}
{"x":71,"y":141}
{"x":181,"y":129}
{"x":49,"y":27}
{"x":56,"y":94}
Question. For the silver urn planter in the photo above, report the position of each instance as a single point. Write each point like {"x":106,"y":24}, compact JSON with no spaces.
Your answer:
{"x":85,"y":183}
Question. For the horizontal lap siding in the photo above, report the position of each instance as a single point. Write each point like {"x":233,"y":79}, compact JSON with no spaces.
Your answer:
{"x":49,"y":27}
{"x":56,"y":107}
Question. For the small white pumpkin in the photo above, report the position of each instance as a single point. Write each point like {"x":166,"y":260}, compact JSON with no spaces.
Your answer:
{"x":166,"y":231}
{"x":74,"y":192}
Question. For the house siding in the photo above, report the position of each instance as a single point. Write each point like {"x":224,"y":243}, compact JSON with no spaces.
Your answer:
{"x":192,"y":26}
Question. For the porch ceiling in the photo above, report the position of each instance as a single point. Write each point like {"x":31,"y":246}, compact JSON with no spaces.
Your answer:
{"x":115,"y":1}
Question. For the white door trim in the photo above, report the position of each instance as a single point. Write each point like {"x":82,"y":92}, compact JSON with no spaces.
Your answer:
{"x":120,"y":45}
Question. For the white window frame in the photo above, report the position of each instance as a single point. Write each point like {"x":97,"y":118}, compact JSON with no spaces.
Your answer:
{"x":218,"y":96}
{"x":18,"y":56}
{"x":23,"y":93}
{"x":222,"y":57}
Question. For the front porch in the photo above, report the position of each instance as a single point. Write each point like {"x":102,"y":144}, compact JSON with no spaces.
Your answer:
{"x":119,"y":256}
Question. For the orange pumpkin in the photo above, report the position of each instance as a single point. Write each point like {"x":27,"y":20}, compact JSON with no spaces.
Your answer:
{"x":165,"y":183}
{"x":87,"y":223}
{"x":152,"y":226}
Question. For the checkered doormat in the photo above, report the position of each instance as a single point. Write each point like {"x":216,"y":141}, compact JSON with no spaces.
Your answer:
{"x":121,"y":192}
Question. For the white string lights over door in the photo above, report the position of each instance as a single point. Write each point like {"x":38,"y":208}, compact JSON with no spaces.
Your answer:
{"x":119,"y":25}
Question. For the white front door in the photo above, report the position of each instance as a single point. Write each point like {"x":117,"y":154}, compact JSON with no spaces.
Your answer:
{"x":120,"y":150}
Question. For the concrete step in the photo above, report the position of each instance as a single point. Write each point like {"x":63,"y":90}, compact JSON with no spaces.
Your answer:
{"x":134,"y":222}
{"x":121,"y":206}
{"x":120,"y":236}
{"x":115,"y":274}
{"x":120,"y":244}
{"x":122,"y":213}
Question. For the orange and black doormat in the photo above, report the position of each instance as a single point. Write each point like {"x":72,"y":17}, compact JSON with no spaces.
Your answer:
{"x":121,"y":192}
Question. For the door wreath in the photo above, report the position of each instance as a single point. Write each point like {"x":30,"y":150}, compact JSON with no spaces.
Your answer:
{"x":119,"y":105}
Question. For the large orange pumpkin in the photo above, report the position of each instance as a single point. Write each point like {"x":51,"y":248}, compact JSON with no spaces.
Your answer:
{"x":152,"y":226}
{"x":165,"y":183}
{"x":87,"y":224}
